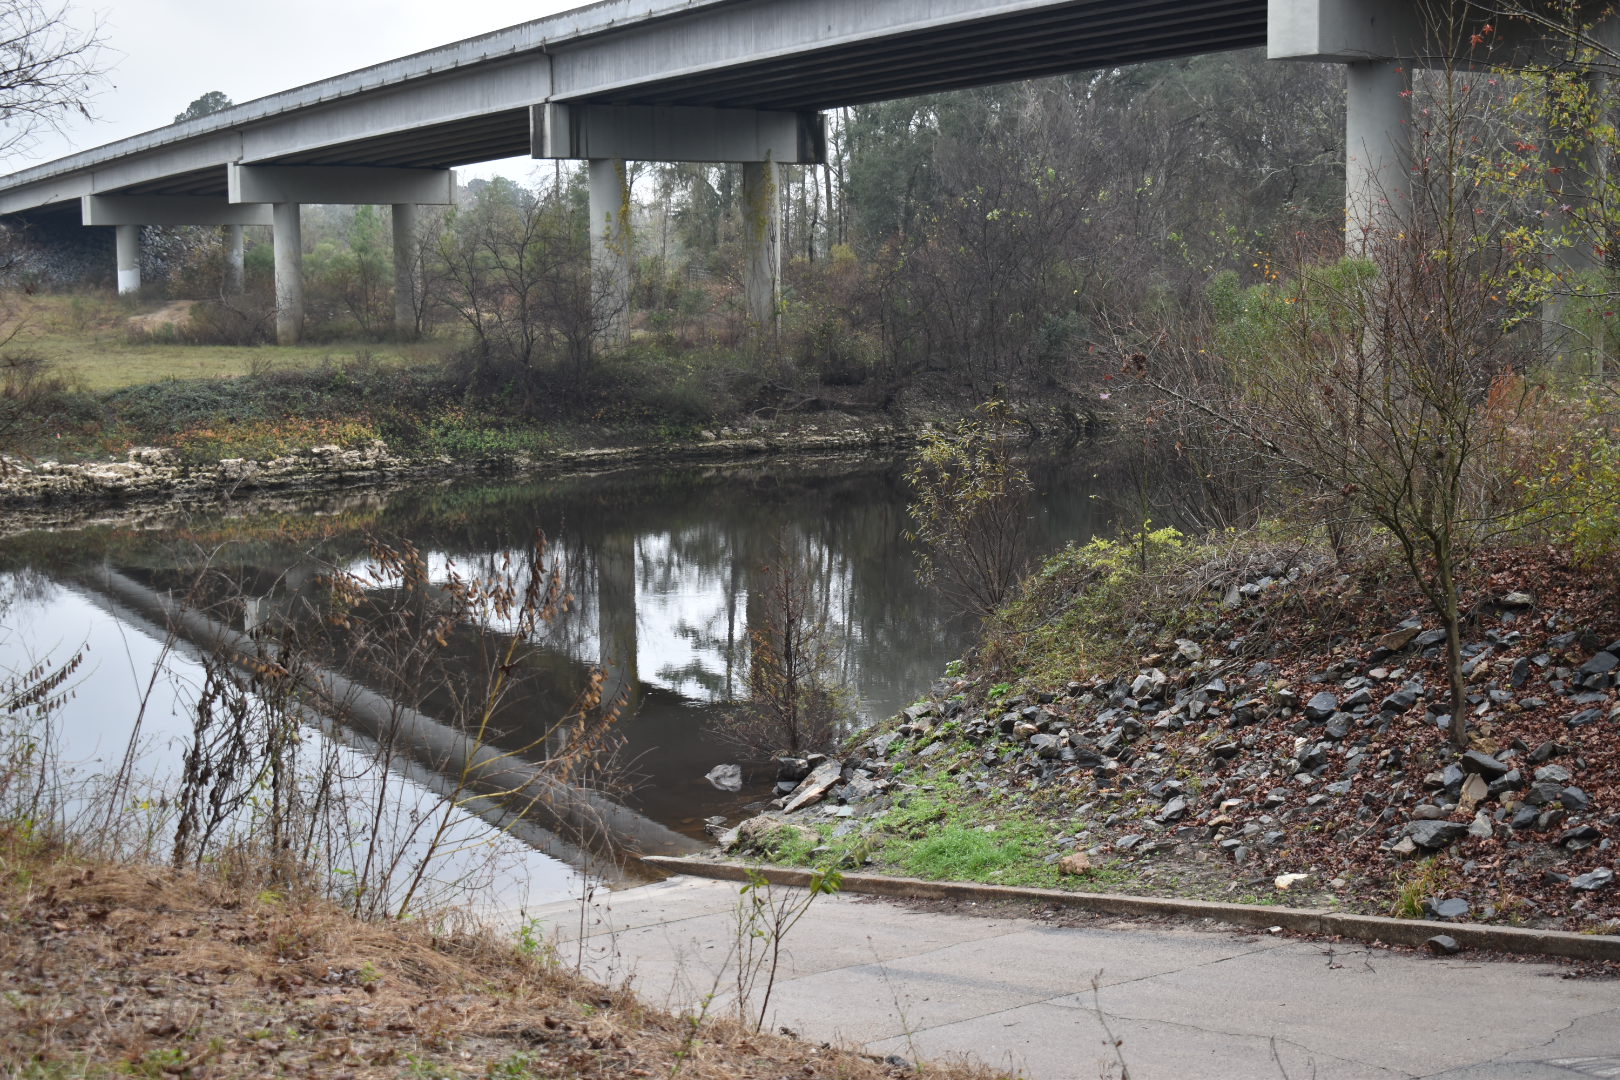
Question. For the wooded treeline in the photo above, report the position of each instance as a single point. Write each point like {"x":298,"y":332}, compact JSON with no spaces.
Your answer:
{"x":956,"y":242}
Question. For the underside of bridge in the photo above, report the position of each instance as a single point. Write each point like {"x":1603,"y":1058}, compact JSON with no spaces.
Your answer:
{"x":741,"y":81}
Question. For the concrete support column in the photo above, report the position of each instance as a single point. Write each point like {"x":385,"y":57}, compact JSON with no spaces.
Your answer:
{"x":762,"y":216}
{"x":1575,"y":178}
{"x":129,"y":259}
{"x":405,"y":270}
{"x":1378,"y":151}
{"x":612,"y":247}
{"x":235,"y":261}
{"x":289,"y":243}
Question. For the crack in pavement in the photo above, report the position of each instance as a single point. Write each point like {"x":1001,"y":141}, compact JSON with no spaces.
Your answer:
{"x":1055,"y":1000}
{"x":1542,"y":1045}
{"x":1251,"y":1035}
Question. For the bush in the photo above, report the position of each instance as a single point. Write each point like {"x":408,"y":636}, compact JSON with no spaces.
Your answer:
{"x":1570,"y":477}
{"x":35,"y":402}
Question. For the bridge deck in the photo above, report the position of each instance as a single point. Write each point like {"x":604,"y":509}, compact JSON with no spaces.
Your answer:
{"x":468,"y":101}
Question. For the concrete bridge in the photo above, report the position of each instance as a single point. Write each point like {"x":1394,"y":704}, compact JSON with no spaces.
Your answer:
{"x":680,"y":80}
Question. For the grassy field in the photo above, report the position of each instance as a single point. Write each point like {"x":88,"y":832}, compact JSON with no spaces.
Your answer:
{"x":90,"y":337}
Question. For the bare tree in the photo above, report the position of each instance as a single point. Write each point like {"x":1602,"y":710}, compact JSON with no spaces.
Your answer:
{"x":48,"y":68}
{"x":1393,"y":386}
{"x":517,"y":273}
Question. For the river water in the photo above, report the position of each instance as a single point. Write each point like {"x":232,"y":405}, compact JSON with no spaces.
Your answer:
{"x":661,"y":567}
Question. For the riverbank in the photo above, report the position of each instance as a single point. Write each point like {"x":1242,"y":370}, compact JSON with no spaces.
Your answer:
{"x":119,"y":970}
{"x":1240,"y":721}
{"x":47,"y":493}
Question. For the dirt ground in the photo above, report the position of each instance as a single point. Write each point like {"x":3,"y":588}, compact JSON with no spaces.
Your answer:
{"x":117,"y":971}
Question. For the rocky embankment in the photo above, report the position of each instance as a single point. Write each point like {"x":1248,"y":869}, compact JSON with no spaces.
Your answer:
{"x":1328,"y":777}
{"x":157,"y":473}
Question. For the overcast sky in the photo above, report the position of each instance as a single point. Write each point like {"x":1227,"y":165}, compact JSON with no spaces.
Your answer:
{"x":163,"y":54}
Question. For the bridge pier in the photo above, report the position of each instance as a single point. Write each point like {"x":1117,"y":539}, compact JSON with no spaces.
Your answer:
{"x":129,"y":259}
{"x":612,"y":248}
{"x":762,"y":222}
{"x":289,"y":244}
{"x":1377,"y":151}
{"x":127,"y":214}
{"x":405,"y":224}
{"x":286,"y":187}
{"x":606,"y":135}
{"x":235,"y":261}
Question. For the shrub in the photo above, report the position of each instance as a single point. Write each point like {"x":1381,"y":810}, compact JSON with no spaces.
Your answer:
{"x":969,"y":524}
{"x":1570,"y":476}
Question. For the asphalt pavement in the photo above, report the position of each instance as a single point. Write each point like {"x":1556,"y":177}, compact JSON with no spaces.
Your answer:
{"x":1047,"y":1002}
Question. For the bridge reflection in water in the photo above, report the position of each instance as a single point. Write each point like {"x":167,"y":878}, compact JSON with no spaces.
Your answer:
{"x":666,"y":576}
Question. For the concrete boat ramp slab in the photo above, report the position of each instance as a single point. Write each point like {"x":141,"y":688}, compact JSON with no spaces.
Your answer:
{"x":1186,"y":1003}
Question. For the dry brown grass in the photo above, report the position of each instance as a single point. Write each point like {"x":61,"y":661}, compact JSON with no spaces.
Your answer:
{"x":119,"y":970}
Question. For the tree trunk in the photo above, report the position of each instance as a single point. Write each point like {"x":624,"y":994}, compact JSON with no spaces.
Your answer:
{"x":1451,"y":618}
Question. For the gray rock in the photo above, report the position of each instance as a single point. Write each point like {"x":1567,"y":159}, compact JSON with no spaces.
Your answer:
{"x":1399,"y":701}
{"x":1338,"y":726}
{"x":1429,"y":637}
{"x":1546,"y":752}
{"x":1321,"y":706}
{"x":725,"y":777}
{"x":1435,"y":834}
{"x":1543,"y":792}
{"x":1556,"y":774}
{"x":1125,"y":843}
{"x":1454,"y":908}
{"x":1575,"y":800}
{"x":1580,"y":837}
{"x":1601,"y":664}
{"x":1519,"y":674}
{"x":1483,"y":764}
{"x":1601,"y":878}
{"x":1174,"y":810}
{"x":797,"y":768}
{"x":1047,"y":746}
{"x":1525,"y":818}
{"x":1443,"y":945}
{"x":815,"y":786}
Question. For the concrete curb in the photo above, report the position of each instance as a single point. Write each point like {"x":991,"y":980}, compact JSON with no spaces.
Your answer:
{"x":1369,"y":928}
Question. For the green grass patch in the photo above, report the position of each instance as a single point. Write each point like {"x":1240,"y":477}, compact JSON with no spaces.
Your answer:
{"x":962,"y":854}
